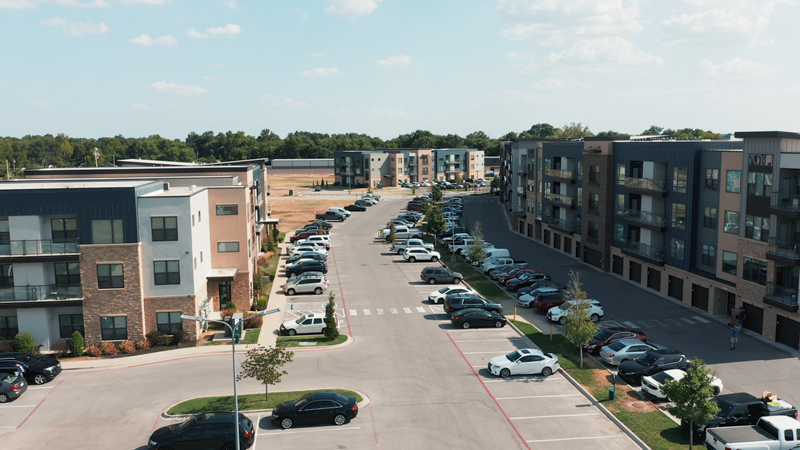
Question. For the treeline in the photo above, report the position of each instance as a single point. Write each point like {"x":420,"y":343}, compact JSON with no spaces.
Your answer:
{"x":64,"y":151}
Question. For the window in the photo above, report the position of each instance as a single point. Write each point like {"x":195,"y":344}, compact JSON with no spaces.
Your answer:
{"x":733,"y":181}
{"x":165,"y":228}
{"x":169,"y":322}
{"x":195,"y":263}
{"x":424,"y":170}
{"x":114,"y":328}
{"x":620,"y":203}
{"x":399,"y":170}
{"x":201,"y":256}
{"x":580,"y":170}
{"x":712,"y":179}
{"x":679,"y":176}
{"x":167,"y":272}
{"x":756,"y":228}
{"x":731,"y":222}
{"x":400,"y":160}
{"x":710,"y":217}
{"x":5,"y":234}
{"x":62,"y":229}
{"x":594,"y":174}
{"x":227,"y":210}
{"x":70,"y":323}
{"x":6,"y":275}
{"x":621,"y":173}
{"x":107,"y":231}
{"x":199,"y":216}
{"x":594,"y":230}
{"x":594,"y":202}
{"x":679,"y":215}
{"x":227,"y":247}
{"x":619,"y":231}
{"x":676,"y":248}
{"x":759,"y":184}
{"x":9,"y":328}
{"x":110,"y":276}
{"x":709,"y":257}
{"x":68,"y":273}
{"x":192,"y":219}
{"x":472,"y":157}
{"x":755,"y":270}
{"x":729,"y":262}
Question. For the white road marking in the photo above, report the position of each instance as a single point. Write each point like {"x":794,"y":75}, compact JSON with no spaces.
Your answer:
{"x":700,"y":319}
{"x":380,"y":312}
{"x":687,"y":320}
{"x":42,"y":387}
{"x":659,"y":322}
{"x":500,"y":352}
{"x":367,"y":312}
{"x":644,"y":324}
{"x":539,"y":396}
{"x":255,"y":438}
{"x":18,"y":406}
{"x":560,"y":415}
{"x":677,"y":324}
{"x":309,"y":431}
{"x":407,"y":310}
{"x":353,"y":312}
{"x":393,"y":310}
{"x":576,"y":438}
{"x":420,"y":309}
{"x":524,"y":379}
{"x":489,"y":340}
{"x":630,"y":324}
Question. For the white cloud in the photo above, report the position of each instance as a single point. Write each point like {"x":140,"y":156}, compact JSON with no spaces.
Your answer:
{"x":39,"y":104}
{"x":275,"y":101}
{"x":145,"y":39}
{"x":388,"y":112}
{"x":608,"y":54}
{"x":321,"y":72}
{"x":194,"y":34}
{"x":218,"y":65}
{"x":94,"y":4}
{"x":9,"y":5}
{"x":54,"y":22}
{"x":75,"y":28}
{"x":560,"y":84}
{"x":338,"y":112}
{"x":518,"y":56}
{"x":315,"y":55}
{"x":146,"y":2}
{"x":303,"y":15}
{"x":173,"y":104}
{"x":140,"y":106}
{"x":162,"y":87}
{"x":228,"y":30}
{"x":716,"y":23}
{"x":399,"y":60}
{"x":350,"y":9}
{"x":231,"y":4}
{"x":736,"y":69}
{"x":556,"y":21}
{"x":207,"y":77}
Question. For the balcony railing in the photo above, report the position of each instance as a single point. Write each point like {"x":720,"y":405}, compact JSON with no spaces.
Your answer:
{"x":646,"y":184}
{"x":559,"y":223}
{"x":783,"y":297}
{"x":656,"y":220}
{"x":563,"y":199}
{"x":788,"y":202}
{"x":558,"y":173}
{"x":35,"y":293}
{"x":645,"y":250}
{"x":39,"y":247}
{"x":453,"y":162}
{"x":787,"y":249}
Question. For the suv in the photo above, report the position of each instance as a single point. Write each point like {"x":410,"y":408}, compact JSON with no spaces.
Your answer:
{"x":433,"y":275}
{"x":308,"y":324}
{"x":559,"y":314}
{"x":651,"y":363}
{"x":455,"y":302}
{"x":612,"y":334}
{"x":306,"y":266}
{"x":420,"y":254}
{"x":209,"y":430}
{"x":38,"y":369}
{"x":305,"y":285}
{"x":546,"y":300}
{"x":526,"y":280}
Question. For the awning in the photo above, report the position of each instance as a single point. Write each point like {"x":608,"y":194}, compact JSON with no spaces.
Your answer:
{"x":269,"y":221}
{"x":223,"y":274}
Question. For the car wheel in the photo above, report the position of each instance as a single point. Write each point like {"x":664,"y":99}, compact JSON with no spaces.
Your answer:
{"x":286,"y":423}
{"x":498,"y":324}
{"x":434,"y":259}
{"x":324,"y":330}
{"x":432,"y":281}
{"x":411,"y":259}
{"x":562,"y":320}
{"x":456,"y":280}
{"x":339,"y":419}
{"x":465,"y":325}
{"x":716,"y":391}
{"x":505,"y":373}
{"x":341,"y":220}
{"x":291,"y":332}
{"x":39,"y":379}
{"x":3,"y":398}
{"x":318,"y":291}
{"x":290,"y":292}
{"x":439,"y":301}
{"x":595,"y":317}
{"x":547,"y":371}
{"x":400,"y":252}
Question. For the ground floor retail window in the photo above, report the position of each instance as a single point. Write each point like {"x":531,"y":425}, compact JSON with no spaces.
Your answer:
{"x":169,"y":322}
{"x":70,"y":323}
{"x":114,"y":328}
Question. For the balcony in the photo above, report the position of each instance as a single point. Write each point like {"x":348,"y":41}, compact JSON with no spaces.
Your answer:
{"x":412,"y":163}
{"x":457,"y":161}
{"x":562,"y":174}
{"x":561,"y":224}
{"x":786,"y":252}
{"x":561,"y":199}
{"x":522,"y":173}
{"x":781,"y":297}
{"x":642,"y":251}
{"x":787,"y":205}
{"x":39,"y":247}
{"x":41,"y":293}
{"x":648,"y":219}
{"x":647,"y":185}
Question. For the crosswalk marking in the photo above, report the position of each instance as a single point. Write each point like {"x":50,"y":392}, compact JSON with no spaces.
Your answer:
{"x":407,"y":310}
{"x":675,"y":322}
{"x":687,"y":320}
{"x":380,"y":311}
{"x":353,"y":312}
{"x":420,"y":309}
{"x":630,"y":324}
{"x":367,"y":312}
{"x":700,"y":319}
{"x":644,"y":324}
{"x":393,"y":310}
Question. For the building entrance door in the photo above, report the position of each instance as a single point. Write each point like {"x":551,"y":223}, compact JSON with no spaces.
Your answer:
{"x":224,"y":293}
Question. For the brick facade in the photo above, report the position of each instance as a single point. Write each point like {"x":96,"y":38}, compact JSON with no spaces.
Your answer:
{"x":186,"y":304}
{"x":602,"y":216}
{"x":241,"y":292}
{"x":753,"y":293}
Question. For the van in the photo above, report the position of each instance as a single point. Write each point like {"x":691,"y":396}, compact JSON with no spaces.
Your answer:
{"x":495,"y":253}
{"x":340,"y":210}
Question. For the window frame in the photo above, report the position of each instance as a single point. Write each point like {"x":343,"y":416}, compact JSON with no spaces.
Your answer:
{"x":110,"y":279}
{"x":726,"y":266}
{"x":227,"y":209}
{"x":710,"y":217}
{"x":72,"y":278}
{"x":170,"y":327}
{"x":733,"y":184}
{"x":65,"y":233}
{"x":677,"y":246}
{"x":10,"y":331}
{"x":6,"y":276}
{"x":115,"y":334}
{"x":708,"y":255}
{"x":115,"y":239}
{"x":593,"y":230}
{"x":594,"y":173}
{"x":221,"y":244}
{"x":674,"y":217}
{"x":754,"y":270}
{"x":680,"y":179}
{"x":164,"y":233}
{"x":67,"y":330}
{"x":734,"y":223}
{"x":163,"y":276}
{"x":712,"y":179}
{"x":750,"y":231}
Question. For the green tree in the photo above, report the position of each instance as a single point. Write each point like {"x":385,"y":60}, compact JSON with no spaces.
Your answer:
{"x":435,"y":220}
{"x":540,"y":130}
{"x":458,"y":179}
{"x":610,"y":133}
{"x":691,"y":395}
{"x":476,"y":252}
{"x":653,"y":131}
{"x":391,"y":237}
{"x":24,"y":342}
{"x":413,"y":190}
{"x":493,"y":185}
{"x":425,"y":206}
{"x":331,"y":327}
{"x":436,"y":193}
{"x":77,"y":344}
{"x":579,"y":327}
{"x":265,"y":364}
{"x":573,"y":131}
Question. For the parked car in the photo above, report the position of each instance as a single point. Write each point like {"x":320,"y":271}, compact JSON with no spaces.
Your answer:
{"x":305,"y":275}
{"x":306,"y":266}
{"x":331,"y":215}
{"x":526,"y":280}
{"x":449,"y":232}
{"x":526,"y":361}
{"x":559,"y":313}
{"x":316,"y":408}
{"x":307,"y":255}
{"x":420,"y":254}
{"x":209,"y":430}
{"x":319,"y":224}
{"x":651,"y":363}
{"x":306,"y":286}
{"x":355,"y":207}
{"x":38,"y":369}
{"x":612,"y":334}
{"x":301,"y":235}
{"x":516,"y":272}
{"x":319,"y":245}
{"x":476,"y":317}
{"x":739,"y":409}
{"x":340,"y":210}
{"x":769,"y":433}
{"x":11,"y":387}
{"x":624,"y":350}
{"x":363,"y":203}
{"x":543,"y":301}
{"x":304,"y":248}
{"x":438,"y":296}
{"x":433,"y":275}
{"x":308,"y":324}
{"x":324,"y":240}
{"x":402,"y":246}
{"x":538,"y":285}
{"x":455,"y":302}
{"x":526,"y":301}
{"x":652,"y":384}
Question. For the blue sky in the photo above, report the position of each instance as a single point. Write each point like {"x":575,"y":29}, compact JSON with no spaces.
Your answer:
{"x":94,"y":68}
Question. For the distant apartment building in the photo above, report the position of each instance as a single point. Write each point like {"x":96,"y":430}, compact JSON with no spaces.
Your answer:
{"x":714,"y":224}
{"x":391,"y":167}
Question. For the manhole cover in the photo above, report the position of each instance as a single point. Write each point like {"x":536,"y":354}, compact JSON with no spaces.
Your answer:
{"x":639,"y":405}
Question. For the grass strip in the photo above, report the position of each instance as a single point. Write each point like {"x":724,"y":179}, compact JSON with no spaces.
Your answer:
{"x":247,"y":402}
{"x":486,"y":287}
{"x":306,"y":341}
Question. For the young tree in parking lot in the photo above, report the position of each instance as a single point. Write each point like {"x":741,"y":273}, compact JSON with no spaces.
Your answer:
{"x":331,"y":327}
{"x":476,"y":251}
{"x":691,"y":395}
{"x":493,"y":185}
{"x":436,"y":193}
{"x":391,"y":237}
{"x":458,"y":179}
{"x":435,"y":220}
{"x":265,"y":364}
{"x":425,"y":206}
{"x":579,"y":327}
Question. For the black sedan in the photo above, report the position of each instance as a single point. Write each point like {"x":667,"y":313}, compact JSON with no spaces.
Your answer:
{"x":355,"y":207}
{"x":316,"y":408}
{"x":526,"y":280}
{"x":211,"y":430}
{"x":475,"y":317}
{"x":306,"y":266}
{"x":651,"y":363}
{"x":307,"y":255}
{"x":38,"y":369}
{"x":325,"y":225}
{"x":11,"y":387}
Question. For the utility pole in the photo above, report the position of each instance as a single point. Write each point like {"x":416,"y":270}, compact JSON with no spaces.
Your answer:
{"x":96,"y":156}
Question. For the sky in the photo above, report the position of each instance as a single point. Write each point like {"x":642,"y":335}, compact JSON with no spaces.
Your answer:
{"x":97,"y":68}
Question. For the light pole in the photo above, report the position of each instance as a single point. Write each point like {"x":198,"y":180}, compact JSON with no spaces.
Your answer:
{"x":348,"y":178}
{"x":233,"y":353}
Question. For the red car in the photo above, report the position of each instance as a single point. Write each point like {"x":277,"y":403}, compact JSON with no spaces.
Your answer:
{"x":302,"y":234}
{"x":503,"y":278}
{"x":612,"y":334}
{"x":547,"y":300}
{"x":413,"y":206}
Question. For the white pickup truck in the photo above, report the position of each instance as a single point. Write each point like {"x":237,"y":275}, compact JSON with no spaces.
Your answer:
{"x":770,"y":433}
{"x":401,"y":232}
{"x":400,"y":247}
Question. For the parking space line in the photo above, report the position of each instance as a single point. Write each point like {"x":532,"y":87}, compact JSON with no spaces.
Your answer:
{"x":255,"y":438}
{"x":490,"y":340}
{"x":700,"y":319}
{"x":407,"y":310}
{"x":367,"y":312}
{"x":644,"y":324}
{"x":18,"y":406}
{"x":514,"y":380}
{"x":393,"y":310}
{"x":687,"y":320}
{"x":540,"y":396}
{"x":554,"y":416}
{"x":577,"y":438}
{"x":420,"y":309}
{"x":353,"y":312}
{"x":40,"y":387}
{"x":658,"y":322}
{"x":478,"y":353}
{"x":675,"y":322}
{"x":630,"y":324}
{"x":308,"y":431}
{"x":380,"y":312}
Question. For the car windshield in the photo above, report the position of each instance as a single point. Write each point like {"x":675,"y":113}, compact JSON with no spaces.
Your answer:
{"x":564,"y":306}
{"x":513,"y":356}
{"x":602,"y":335}
{"x":300,"y":320}
{"x":185,"y":425}
{"x":724,"y":406}
{"x":30,"y":359}
{"x":617,"y":346}
{"x":300,"y":402}
{"x":8,"y":379}
{"x":525,"y":276}
{"x":646,"y":359}
{"x":663,"y":377}
{"x":443,"y":290}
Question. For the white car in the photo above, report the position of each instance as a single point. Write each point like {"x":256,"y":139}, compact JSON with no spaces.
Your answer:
{"x":308,"y":324}
{"x":420,"y":254}
{"x":652,"y":384}
{"x":527,"y":361}
{"x":319,"y":244}
{"x":559,"y":313}
{"x":340,"y":210}
{"x":302,"y":248}
{"x":319,"y":238}
{"x":438,"y":296}
{"x":526,"y":300}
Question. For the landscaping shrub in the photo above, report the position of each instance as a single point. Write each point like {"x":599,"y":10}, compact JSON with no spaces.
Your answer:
{"x":179,"y":337}
{"x":92,"y":350}
{"x":261,"y":303}
{"x":157,"y":338}
{"x":144,"y":344}
{"x":230,"y":306}
{"x":108,"y":348}
{"x":275,"y":234}
{"x":77,"y":343}
{"x":224,"y":314}
{"x":7,"y":345}
{"x":24,"y":342}
{"x":127,"y":347}
{"x":61,"y":348}
{"x":253,"y":323}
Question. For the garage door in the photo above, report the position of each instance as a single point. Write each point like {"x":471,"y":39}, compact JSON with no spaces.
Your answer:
{"x":635,"y":273}
{"x":654,"y":279}
{"x":594,"y":257}
{"x":556,"y":240}
{"x":567,"y":245}
{"x":754,"y":318}
{"x":675,"y":289}
{"x":787,"y":332}
{"x":700,"y":297}
{"x":617,"y":264}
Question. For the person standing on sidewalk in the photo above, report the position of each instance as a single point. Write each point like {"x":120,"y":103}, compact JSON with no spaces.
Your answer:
{"x":742,"y":314}
{"x":734,"y":335}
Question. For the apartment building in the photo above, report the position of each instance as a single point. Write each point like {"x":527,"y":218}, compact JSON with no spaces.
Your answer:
{"x":391,"y":167}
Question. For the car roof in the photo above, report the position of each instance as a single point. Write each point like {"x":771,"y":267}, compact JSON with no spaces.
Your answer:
{"x":666,"y":352}
{"x":629,"y":342}
{"x":531,"y":351}
{"x":473,"y":311}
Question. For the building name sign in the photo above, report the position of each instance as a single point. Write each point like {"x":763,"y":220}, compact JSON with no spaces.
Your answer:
{"x":761,"y":160}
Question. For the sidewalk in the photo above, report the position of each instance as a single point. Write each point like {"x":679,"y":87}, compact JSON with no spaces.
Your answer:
{"x":272,"y":322}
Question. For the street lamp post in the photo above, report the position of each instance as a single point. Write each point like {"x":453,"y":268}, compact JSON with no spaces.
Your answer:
{"x":233,"y":354}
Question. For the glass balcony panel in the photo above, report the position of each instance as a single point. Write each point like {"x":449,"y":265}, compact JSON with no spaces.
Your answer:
{"x":657,"y":220}
{"x":45,"y":292}
{"x":646,"y":184}
{"x":39,"y":247}
{"x":653,"y":253}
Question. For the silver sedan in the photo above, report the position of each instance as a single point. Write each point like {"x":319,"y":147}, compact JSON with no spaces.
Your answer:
{"x":626,"y":349}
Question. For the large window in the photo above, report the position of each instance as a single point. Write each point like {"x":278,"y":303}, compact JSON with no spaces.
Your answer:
{"x":620,"y":203}
{"x":114,"y":328}
{"x":756,"y":228}
{"x":679,"y":215}
{"x":733,"y":181}
{"x":594,"y":230}
{"x":594,"y":174}
{"x":109,"y":276}
{"x":679,"y":179}
{"x":5,"y":231}
{"x":712,"y":179}
{"x":729,"y":262}
{"x":710,"y":217}
{"x":70,"y":323}
{"x":107,"y":231}
{"x":165,"y":228}
{"x":167,"y":272}
{"x":227,"y":247}
{"x":580,"y":196}
{"x":227,"y":210}
{"x":594,"y":202}
{"x":731,"y":222}
{"x":68,"y":273}
{"x":64,"y":229}
{"x":6,"y":275}
{"x":9,"y":328}
{"x":759,"y":184}
{"x":621,"y":173}
{"x":169,"y":322}
{"x":619,"y":231}
{"x":709,"y":257}
{"x":676,"y":248}
{"x":755,"y":270}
